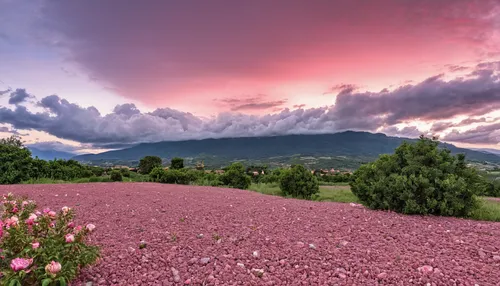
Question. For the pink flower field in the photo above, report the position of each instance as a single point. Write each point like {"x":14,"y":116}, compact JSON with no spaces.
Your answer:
{"x":154,"y":234}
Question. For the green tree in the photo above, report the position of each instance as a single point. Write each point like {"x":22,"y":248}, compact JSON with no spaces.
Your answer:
{"x":298,"y":182}
{"x":235,"y":177}
{"x":157,"y":174}
{"x":177,"y":163}
{"x":147,"y":164}
{"x":419,"y":178}
{"x":15,"y":161}
{"x":116,"y":176}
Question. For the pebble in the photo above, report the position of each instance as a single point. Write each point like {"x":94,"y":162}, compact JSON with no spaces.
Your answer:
{"x":382,"y":275}
{"x":205,"y":260}
{"x":425,"y":269}
{"x":240,"y":265}
{"x":312,"y":246}
{"x":188,"y":281}
{"x":496,"y":258}
{"x":255,"y":254}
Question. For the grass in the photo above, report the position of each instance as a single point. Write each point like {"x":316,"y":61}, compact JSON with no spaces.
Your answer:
{"x":488,"y":210}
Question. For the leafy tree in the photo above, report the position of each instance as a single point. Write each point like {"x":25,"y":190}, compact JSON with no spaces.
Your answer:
{"x":419,"y":178}
{"x":13,"y":140}
{"x":175,"y":177}
{"x":235,"y":177}
{"x":147,"y":164}
{"x":116,"y":176}
{"x":177,"y":163}
{"x":15,"y":162}
{"x":125,"y":172}
{"x":298,"y":182}
{"x":157,"y":174}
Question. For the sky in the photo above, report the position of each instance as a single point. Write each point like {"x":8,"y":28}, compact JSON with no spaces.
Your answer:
{"x":90,"y":76}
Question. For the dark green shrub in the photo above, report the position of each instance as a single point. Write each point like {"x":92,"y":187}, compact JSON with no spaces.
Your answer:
{"x":125,"y":172}
{"x":175,"y":177}
{"x":298,"y":182}
{"x":15,"y":164}
{"x":116,"y":176}
{"x":156,"y":175}
{"x":235,"y":177}
{"x":148,"y":163}
{"x":419,"y":178}
{"x":177,"y":163}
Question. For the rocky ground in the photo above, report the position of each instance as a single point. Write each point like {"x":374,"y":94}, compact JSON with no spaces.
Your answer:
{"x":213,"y":236}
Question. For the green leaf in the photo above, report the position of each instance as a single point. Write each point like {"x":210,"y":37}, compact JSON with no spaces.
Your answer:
{"x":62,"y":281}
{"x":46,"y":282}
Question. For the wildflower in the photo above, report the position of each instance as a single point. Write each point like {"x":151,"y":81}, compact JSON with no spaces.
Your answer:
{"x":35,"y":245}
{"x":90,"y":227}
{"x":24,"y":203}
{"x":52,"y":214}
{"x":52,"y":224}
{"x":46,"y":210}
{"x":12,"y":221}
{"x":15,"y":209}
{"x":65,"y":210}
{"x":69,"y":238}
{"x":38,"y":213}
{"x":78,"y":229}
{"x":53,"y":268}
{"x":18,"y":264}
{"x":71,"y":224}
{"x":31,"y":219}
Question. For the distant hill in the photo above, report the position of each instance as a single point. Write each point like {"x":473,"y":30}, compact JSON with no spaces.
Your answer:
{"x":50,"y":154}
{"x":491,"y":151}
{"x":349,"y":143}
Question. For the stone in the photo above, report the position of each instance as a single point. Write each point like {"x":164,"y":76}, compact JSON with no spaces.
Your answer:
{"x":205,"y":260}
{"x":382,"y":275}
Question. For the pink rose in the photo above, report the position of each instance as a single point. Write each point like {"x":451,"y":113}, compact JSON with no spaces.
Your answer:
{"x":53,"y":268}
{"x":18,"y":264}
{"x":52,"y":224}
{"x":65,"y":210}
{"x":15,"y":209}
{"x":33,"y":216}
{"x":69,"y":238}
{"x":46,"y":210}
{"x":12,"y":221}
{"x":38,"y":213}
{"x":35,"y":245}
{"x":71,"y":224}
{"x":90,"y":227}
{"x":24,"y":203}
{"x":52,"y":214}
{"x":78,"y":229}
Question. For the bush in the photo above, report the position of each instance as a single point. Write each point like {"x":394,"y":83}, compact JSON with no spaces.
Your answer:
{"x":419,"y":178}
{"x":298,"y":182}
{"x":15,"y":164}
{"x":115,"y":176}
{"x":42,"y":248}
{"x":156,"y":175}
{"x":148,"y":163}
{"x":235,"y":177}
{"x":177,"y":163}
{"x":175,"y":177}
{"x":125,"y":172}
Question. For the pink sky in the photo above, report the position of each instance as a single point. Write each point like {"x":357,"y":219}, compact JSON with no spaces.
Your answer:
{"x":254,"y":58}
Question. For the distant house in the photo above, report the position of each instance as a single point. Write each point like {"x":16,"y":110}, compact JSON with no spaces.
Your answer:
{"x":255,"y":173}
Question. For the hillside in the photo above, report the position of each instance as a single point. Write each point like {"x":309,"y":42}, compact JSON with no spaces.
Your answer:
{"x":349,"y":144}
{"x":49,"y":154}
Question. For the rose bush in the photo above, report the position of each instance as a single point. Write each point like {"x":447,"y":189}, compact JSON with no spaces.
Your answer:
{"x":42,"y":248}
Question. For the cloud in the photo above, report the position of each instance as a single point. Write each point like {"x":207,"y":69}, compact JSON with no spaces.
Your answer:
{"x":484,"y":134}
{"x":5,"y":129}
{"x":342,"y":89}
{"x":169,"y":47}
{"x":19,"y":96}
{"x":433,"y":99}
{"x":258,"y":102}
{"x":3,"y":92}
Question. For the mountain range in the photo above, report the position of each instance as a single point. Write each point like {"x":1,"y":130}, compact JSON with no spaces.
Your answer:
{"x":345,"y":144}
{"x":49,"y":154}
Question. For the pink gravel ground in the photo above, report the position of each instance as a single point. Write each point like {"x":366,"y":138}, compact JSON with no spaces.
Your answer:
{"x":291,"y":242}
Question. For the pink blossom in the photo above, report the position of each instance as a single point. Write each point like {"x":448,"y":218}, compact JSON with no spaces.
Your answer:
{"x":52,"y":224}
{"x":90,"y":227}
{"x":33,"y":216}
{"x":24,"y":203}
{"x":12,"y":221}
{"x":15,"y":209}
{"x":65,"y":210}
{"x":52,"y":214}
{"x":71,"y":224}
{"x":35,"y":245}
{"x":46,"y":210}
{"x":18,"y":264}
{"x":69,"y":238}
{"x":38,"y":213}
{"x":78,"y":229}
{"x":53,"y":268}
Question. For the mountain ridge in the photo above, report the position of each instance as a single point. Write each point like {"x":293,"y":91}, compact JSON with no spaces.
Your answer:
{"x":347,"y":143}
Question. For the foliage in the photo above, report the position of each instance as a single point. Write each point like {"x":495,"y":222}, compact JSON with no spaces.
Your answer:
{"x":15,"y":164}
{"x":177,"y":163}
{"x":298,"y":182}
{"x":125,"y":172}
{"x":175,"y":177}
{"x":116,"y":176}
{"x":148,"y":163}
{"x":157,"y":174}
{"x":42,"y":248}
{"x":235,"y":177}
{"x":419,"y":178}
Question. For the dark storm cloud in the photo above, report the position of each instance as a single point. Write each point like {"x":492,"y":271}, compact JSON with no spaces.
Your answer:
{"x":18,"y":96}
{"x":259,"y":102}
{"x":431,"y":100}
{"x":484,"y":134}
